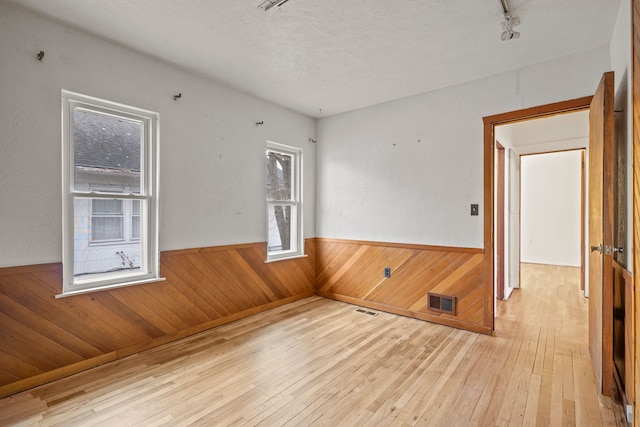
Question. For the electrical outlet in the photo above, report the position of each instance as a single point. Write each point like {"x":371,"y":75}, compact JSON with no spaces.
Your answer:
{"x":474,"y":209}
{"x":387,"y":272}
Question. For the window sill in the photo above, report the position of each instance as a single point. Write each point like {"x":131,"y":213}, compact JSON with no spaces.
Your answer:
{"x":109,"y":287}
{"x":286,"y":258}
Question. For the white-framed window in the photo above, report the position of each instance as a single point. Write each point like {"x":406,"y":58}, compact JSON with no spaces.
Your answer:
{"x":110,"y":194}
{"x":284,"y":201}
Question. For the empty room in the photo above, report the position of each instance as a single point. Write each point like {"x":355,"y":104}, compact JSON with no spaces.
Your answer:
{"x":288,"y":212}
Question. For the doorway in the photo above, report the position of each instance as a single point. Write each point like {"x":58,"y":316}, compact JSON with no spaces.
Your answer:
{"x":491,"y":124}
{"x":547,"y":152}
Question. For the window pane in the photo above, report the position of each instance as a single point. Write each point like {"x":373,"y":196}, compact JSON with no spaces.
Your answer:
{"x":106,"y":228}
{"x":135,"y":219}
{"x":279,"y":218}
{"x":107,"y":150}
{"x":279,"y":176}
{"x":107,"y":206}
{"x":135,"y":227}
{"x":135,"y":207}
{"x":111,"y":253}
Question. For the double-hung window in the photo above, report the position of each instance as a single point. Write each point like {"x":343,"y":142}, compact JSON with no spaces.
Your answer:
{"x":110,"y":194}
{"x":284,"y":195}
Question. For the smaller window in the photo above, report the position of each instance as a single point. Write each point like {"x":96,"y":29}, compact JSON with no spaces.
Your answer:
{"x":284,"y":201}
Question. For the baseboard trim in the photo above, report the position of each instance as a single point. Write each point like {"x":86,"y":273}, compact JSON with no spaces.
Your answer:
{"x":408,"y":313}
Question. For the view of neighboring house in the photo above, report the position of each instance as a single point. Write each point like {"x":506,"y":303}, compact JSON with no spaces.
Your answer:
{"x":107,"y":152}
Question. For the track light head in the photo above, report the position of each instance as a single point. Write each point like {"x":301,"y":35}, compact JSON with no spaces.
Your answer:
{"x":508,"y":35}
{"x":507,"y":27}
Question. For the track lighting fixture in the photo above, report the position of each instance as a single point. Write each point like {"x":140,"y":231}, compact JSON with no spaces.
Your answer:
{"x":509,"y":34}
{"x":508,"y":23}
{"x":267,"y":5}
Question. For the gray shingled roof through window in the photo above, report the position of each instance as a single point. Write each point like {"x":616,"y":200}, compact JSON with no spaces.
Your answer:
{"x":106,"y":142}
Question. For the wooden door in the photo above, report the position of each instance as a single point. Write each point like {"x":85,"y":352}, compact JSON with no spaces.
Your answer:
{"x":601,"y":160}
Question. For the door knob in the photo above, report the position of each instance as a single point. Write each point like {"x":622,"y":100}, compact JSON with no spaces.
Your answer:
{"x":597,"y":248}
{"x":620,"y":249}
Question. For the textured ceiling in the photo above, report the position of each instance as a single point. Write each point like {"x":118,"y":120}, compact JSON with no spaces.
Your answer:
{"x":549,"y":130}
{"x":323,"y":57}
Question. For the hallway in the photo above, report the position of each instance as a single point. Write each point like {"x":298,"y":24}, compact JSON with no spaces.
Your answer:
{"x":551,"y":371}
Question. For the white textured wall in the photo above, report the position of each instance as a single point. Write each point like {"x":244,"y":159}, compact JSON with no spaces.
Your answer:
{"x":505,"y":135}
{"x":212,"y":153}
{"x":407,"y":170}
{"x":513,"y":208}
{"x":550,"y":202}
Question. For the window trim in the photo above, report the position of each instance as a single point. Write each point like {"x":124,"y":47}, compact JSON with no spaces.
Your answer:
{"x":149,"y":180}
{"x":295,"y":202}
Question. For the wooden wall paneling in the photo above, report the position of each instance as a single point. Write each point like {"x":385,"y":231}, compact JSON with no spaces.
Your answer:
{"x":472,"y":306}
{"x":28,"y":294}
{"x":420,"y":267}
{"x":235,"y":281}
{"x":352,"y":271}
{"x":271,"y":292}
{"x":19,"y":341}
{"x":127,"y":314}
{"x":6,"y":378}
{"x":16,"y":366}
{"x":45,"y":327}
{"x":629,"y":338}
{"x":179,"y":269}
{"x":44,"y":338}
{"x":620,"y":329}
{"x":152,"y":309}
{"x":185,"y":283}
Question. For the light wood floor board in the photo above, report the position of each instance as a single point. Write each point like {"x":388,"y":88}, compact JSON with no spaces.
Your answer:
{"x":319,"y":362}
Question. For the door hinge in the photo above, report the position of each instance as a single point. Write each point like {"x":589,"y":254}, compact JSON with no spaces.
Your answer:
{"x":629,"y":413}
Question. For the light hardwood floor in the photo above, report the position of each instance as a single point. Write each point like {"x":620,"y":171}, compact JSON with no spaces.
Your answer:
{"x":319,"y":362}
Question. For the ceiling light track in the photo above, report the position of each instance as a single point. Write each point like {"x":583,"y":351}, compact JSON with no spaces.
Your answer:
{"x":268,"y":5}
{"x":508,"y":23}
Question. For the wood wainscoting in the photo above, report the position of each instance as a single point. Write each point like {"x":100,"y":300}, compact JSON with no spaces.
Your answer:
{"x":353,"y":271}
{"x":43,"y":338}
{"x":622,"y":340}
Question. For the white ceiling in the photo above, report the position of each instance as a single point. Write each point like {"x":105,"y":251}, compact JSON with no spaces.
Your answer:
{"x":556,"y":128}
{"x":340,"y":55}
{"x":559,"y":132}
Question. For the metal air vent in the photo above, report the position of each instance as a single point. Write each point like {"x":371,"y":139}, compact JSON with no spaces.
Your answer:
{"x":367,"y":312}
{"x":441,"y":303}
